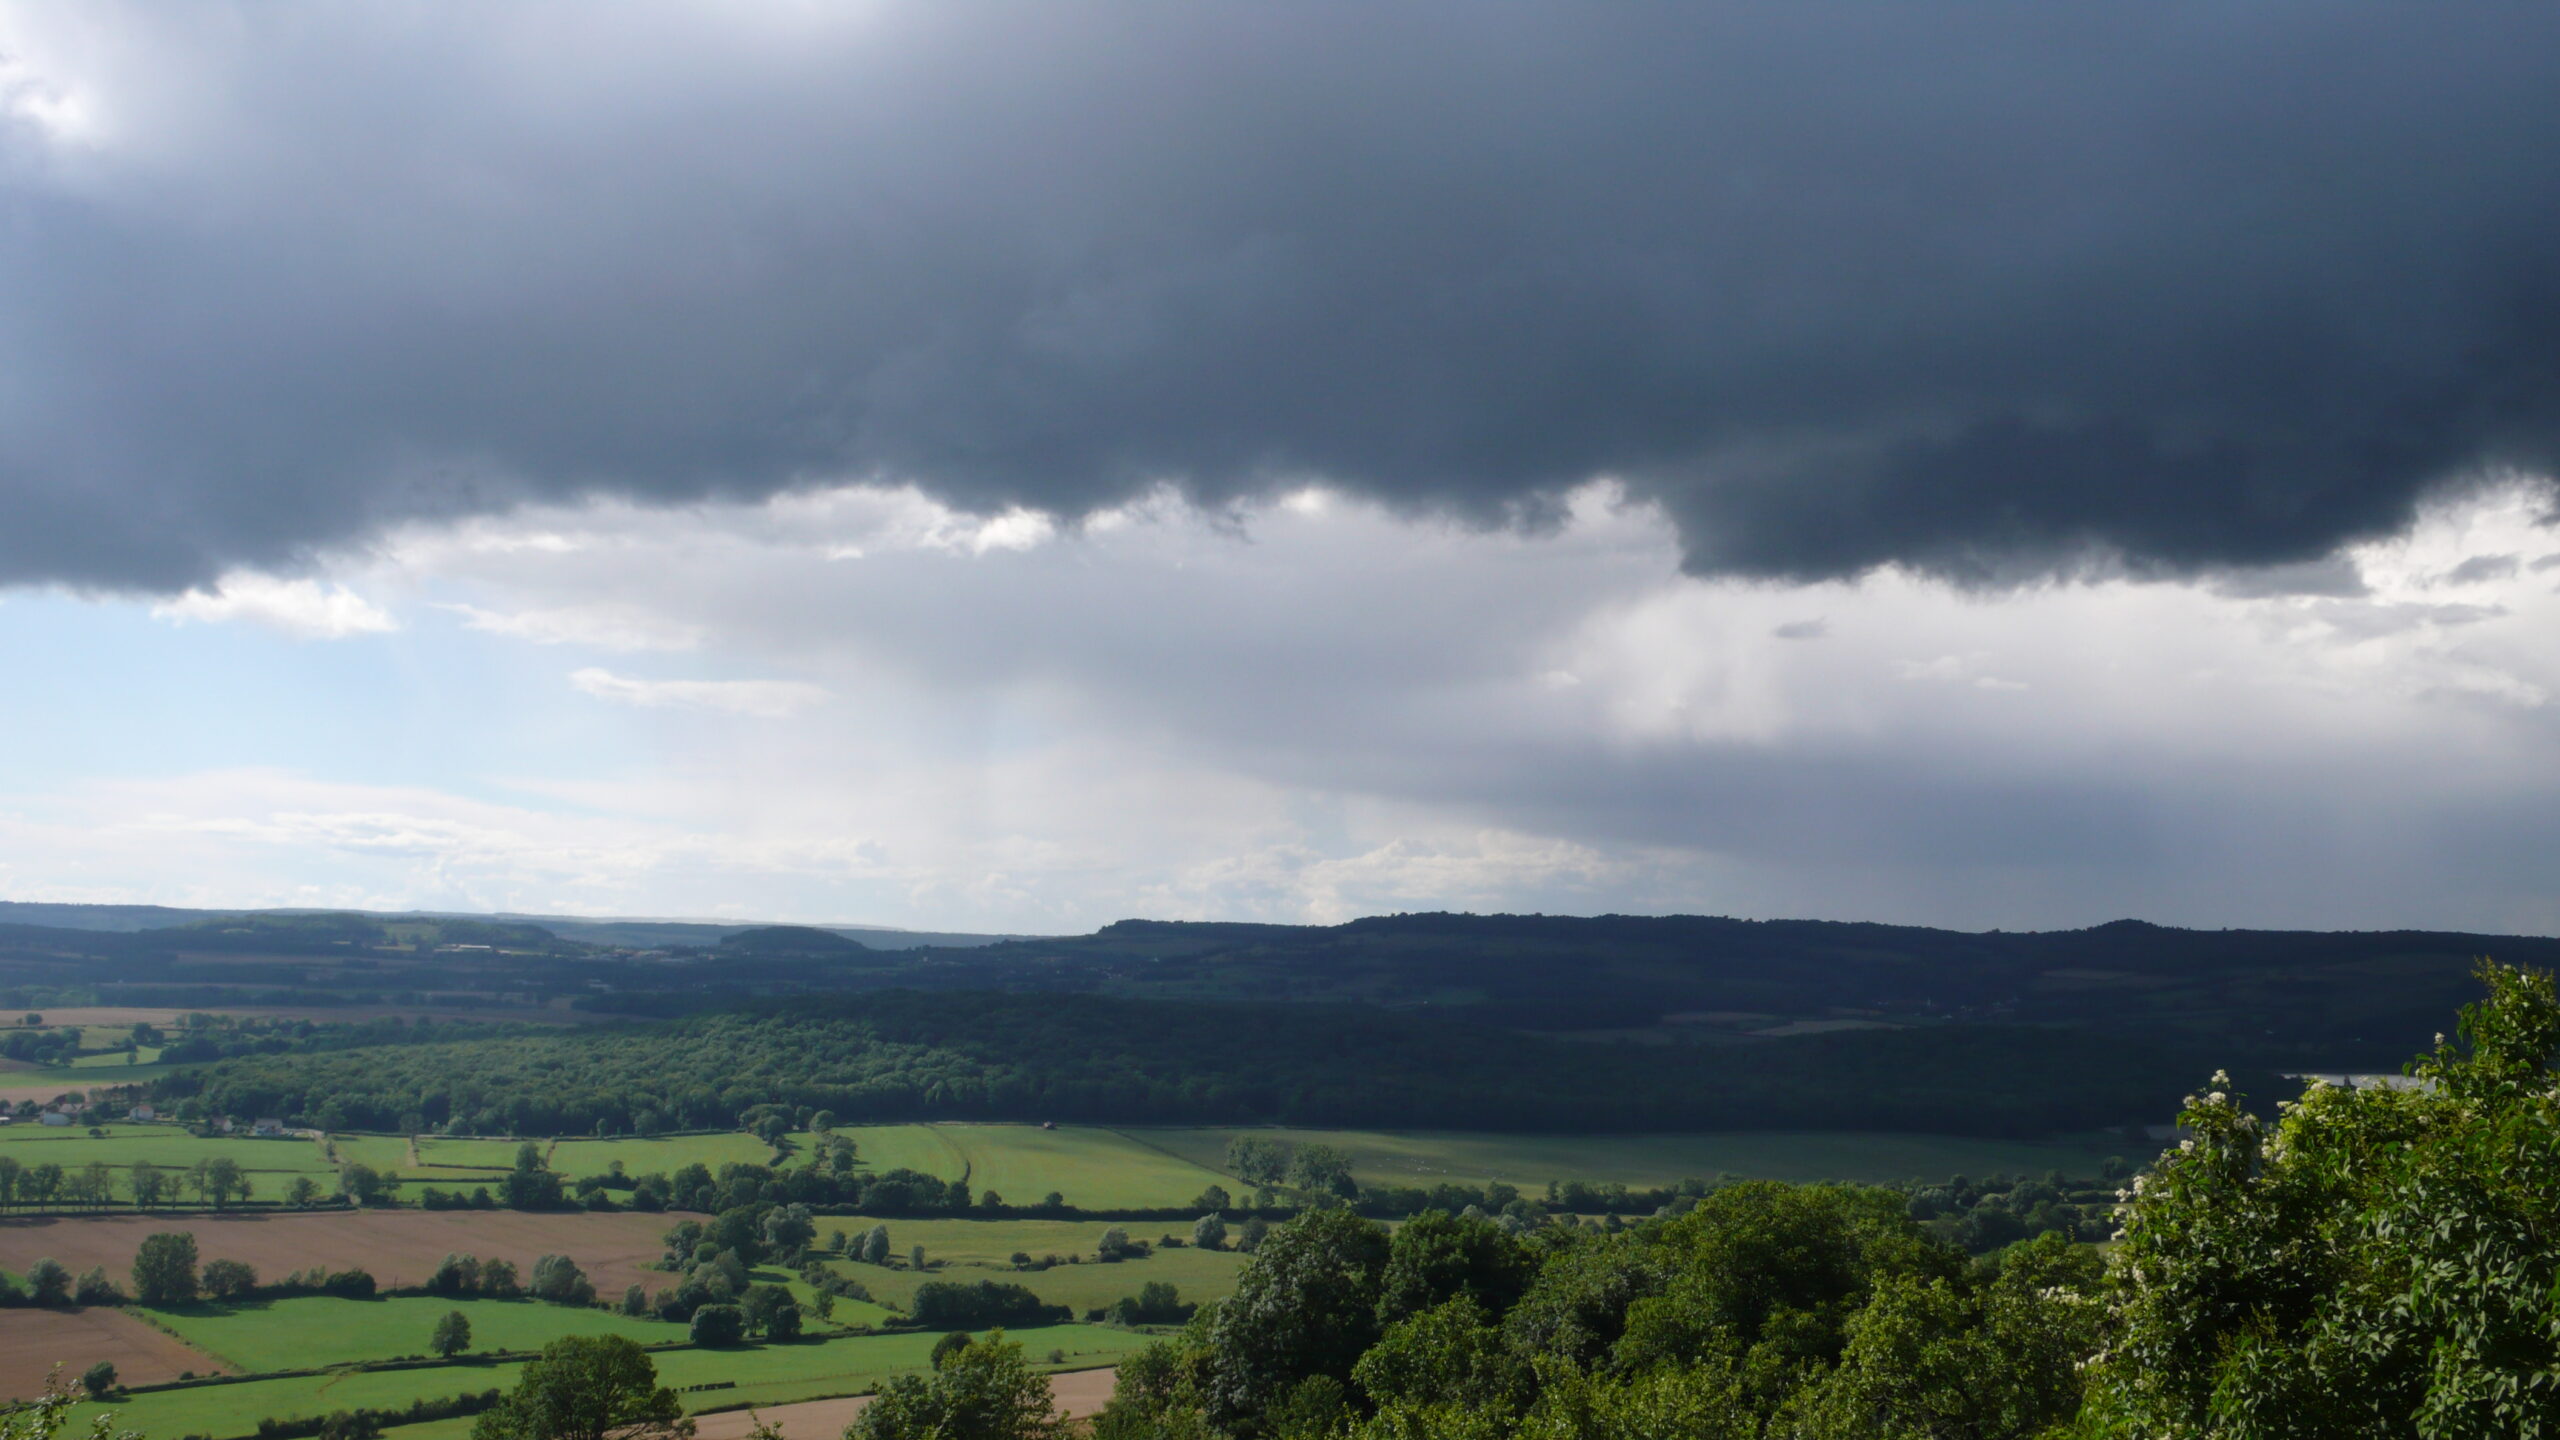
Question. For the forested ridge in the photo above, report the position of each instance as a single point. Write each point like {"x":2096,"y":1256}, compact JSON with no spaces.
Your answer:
{"x":901,"y":1055}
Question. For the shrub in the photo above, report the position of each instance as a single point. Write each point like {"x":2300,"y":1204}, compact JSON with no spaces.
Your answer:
{"x":558,"y":1279}
{"x":951,"y":1304}
{"x":96,"y":1289}
{"x":719,"y":1325}
{"x":228,"y":1279}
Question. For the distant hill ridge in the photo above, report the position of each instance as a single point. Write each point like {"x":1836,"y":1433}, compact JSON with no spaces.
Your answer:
{"x":2295,"y":1000}
{"x":611,"y":930}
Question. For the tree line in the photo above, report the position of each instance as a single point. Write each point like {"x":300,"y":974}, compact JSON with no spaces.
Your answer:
{"x":902,"y":1055}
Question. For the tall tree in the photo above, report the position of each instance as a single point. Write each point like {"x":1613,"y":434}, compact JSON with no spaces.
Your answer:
{"x":164,"y":1269}
{"x":220,"y":1181}
{"x":452,"y":1335}
{"x":979,"y":1391}
{"x":148,"y":1183}
{"x":1306,"y":1307}
{"x":587,"y":1387}
{"x":2379,"y":1262}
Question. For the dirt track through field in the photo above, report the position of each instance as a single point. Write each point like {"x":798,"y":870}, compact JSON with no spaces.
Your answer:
{"x":399,"y":1247}
{"x":32,"y":1341}
{"x":1079,"y":1393}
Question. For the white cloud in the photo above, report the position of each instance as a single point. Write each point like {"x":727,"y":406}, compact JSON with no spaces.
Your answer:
{"x":763,"y":699}
{"x":304,"y":608}
{"x":603,"y":626}
{"x":1303,"y":711}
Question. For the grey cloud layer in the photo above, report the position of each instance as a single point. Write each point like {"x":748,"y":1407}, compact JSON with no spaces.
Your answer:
{"x":1984,"y":291}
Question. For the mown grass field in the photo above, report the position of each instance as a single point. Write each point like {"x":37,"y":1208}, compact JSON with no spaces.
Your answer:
{"x":472,"y":1154}
{"x":577,"y":1158}
{"x":45,"y":1083}
{"x":313,"y":1330}
{"x":1425,"y":1158}
{"x":1093,"y":1168}
{"x":767,"y":1374}
{"x":390,"y":1154}
{"x":452,"y":1161}
{"x":924,"y":1149}
{"x":134,"y":1059}
{"x":269,"y":1162}
{"x":1198,"y":1274}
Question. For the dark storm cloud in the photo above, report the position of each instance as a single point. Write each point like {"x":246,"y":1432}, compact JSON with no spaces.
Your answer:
{"x":1987,"y":290}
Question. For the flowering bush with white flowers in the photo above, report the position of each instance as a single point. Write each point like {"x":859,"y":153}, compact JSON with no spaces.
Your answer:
{"x":2379,"y":1262}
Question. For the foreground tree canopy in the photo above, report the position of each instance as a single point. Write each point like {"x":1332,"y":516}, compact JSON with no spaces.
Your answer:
{"x":2377,"y":1262}
{"x":587,"y":1387}
{"x":2380,"y":1262}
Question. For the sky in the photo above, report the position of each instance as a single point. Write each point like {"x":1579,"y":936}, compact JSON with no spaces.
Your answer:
{"x":1011,"y":468}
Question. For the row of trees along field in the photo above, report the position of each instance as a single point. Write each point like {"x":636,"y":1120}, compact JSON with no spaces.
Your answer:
{"x":903,"y":1055}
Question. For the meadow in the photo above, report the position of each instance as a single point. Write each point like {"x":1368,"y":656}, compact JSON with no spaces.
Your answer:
{"x":579,"y":1158}
{"x":1426,"y":1158}
{"x":308,"y":1331}
{"x":762,"y":1374}
{"x":966,"y":1251}
{"x":47,"y":1083}
{"x":269,"y":1162}
{"x":925,"y":1149}
{"x":1094,"y":1169}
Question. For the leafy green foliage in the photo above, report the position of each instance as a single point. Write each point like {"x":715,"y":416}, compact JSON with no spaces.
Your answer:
{"x":1306,"y":1306}
{"x":452,"y":1334}
{"x":2379,"y":1262}
{"x":1816,"y":1312}
{"x":952,"y":1304}
{"x":164,"y":1269}
{"x":586,"y":1387}
{"x":979,"y":1391}
{"x":898,"y":1055}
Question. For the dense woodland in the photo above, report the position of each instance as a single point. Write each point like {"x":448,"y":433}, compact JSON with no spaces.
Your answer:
{"x":2374,"y":1264}
{"x":2277,"y":1000}
{"x":903,"y":1055}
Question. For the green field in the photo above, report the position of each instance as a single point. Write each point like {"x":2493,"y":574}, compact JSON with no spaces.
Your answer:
{"x":965,"y":1259}
{"x":439,"y":1151}
{"x":314,"y":1330}
{"x":924,"y":1149}
{"x":46,"y":1081}
{"x":578,"y":1158}
{"x":390,"y":1153}
{"x":764,"y":1375}
{"x":1095,"y":1169}
{"x":1424,"y":1158}
{"x":147,"y":1055}
{"x":458,"y":1161}
{"x":166,"y":1146}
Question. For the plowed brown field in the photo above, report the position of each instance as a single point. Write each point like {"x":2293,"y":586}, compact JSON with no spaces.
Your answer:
{"x":32,"y":1342}
{"x":399,"y":1247}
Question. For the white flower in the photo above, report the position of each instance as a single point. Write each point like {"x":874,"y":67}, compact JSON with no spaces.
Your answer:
{"x":2217,"y":1098}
